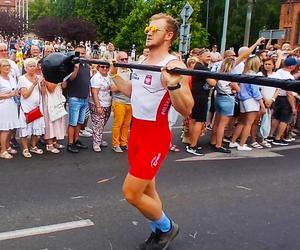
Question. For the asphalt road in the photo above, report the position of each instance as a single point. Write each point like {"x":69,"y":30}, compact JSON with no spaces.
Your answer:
{"x":247,"y":201}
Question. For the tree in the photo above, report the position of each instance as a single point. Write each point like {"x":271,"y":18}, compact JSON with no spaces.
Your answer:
{"x":265,"y":14}
{"x":38,"y":9}
{"x":132,"y":31}
{"x":11,"y":24}
{"x":47,"y":28}
{"x":77,"y":29}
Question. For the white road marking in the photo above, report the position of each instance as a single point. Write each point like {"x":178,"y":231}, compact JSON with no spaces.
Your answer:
{"x":45,"y":229}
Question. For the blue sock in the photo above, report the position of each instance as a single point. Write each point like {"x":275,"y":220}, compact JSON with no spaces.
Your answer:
{"x":164,"y":223}
{"x":153,"y":226}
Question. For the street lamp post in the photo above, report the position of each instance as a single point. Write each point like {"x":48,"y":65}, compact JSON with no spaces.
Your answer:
{"x":225,"y":23}
{"x":248,"y":22}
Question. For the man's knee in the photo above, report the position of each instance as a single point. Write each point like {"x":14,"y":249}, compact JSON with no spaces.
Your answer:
{"x":130,"y":195}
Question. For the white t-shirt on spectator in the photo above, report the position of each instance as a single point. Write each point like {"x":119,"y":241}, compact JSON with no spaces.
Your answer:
{"x":266,"y":91}
{"x":103,"y":83}
{"x":283,"y":74}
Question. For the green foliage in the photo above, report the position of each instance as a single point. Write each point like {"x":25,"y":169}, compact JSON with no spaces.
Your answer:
{"x":265,"y":14}
{"x":38,"y":9}
{"x":132,"y":31}
{"x":123,"y":21}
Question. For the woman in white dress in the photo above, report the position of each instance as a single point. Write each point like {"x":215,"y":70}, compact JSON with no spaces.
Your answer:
{"x":31,"y":87}
{"x":8,"y":109}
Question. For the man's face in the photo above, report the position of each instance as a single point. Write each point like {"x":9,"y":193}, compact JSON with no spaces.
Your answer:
{"x":3,"y":51}
{"x":123,"y":57}
{"x":81,"y":51}
{"x":157,"y":33}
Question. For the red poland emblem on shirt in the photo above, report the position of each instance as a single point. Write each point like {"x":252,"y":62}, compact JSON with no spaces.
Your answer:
{"x":148,"y":80}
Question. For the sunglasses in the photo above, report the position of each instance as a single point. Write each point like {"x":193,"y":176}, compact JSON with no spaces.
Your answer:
{"x":3,"y":50}
{"x":123,"y":59}
{"x":152,"y":28}
{"x":104,"y":67}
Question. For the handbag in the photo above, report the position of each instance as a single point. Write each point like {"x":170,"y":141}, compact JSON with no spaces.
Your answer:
{"x":56,"y":105}
{"x":33,"y":114}
{"x":265,"y":124}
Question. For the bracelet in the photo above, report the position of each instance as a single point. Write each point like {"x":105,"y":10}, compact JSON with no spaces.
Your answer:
{"x":171,"y":88}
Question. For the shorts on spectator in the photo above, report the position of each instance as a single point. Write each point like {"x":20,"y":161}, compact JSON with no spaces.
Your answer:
{"x":282,"y":109}
{"x":249,"y":105}
{"x":200,"y":109}
{"x":224,"y":105}
{"x":77,"y":110}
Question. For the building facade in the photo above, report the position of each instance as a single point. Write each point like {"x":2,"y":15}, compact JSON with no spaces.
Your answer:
{"x":290,"y":21}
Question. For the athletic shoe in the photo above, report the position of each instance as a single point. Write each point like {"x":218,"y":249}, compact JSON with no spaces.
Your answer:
{"x":193,"y":150}
{"x":222,"y":150}
{"x":72,"y":148}
{"x":290,"y":139}
{"x":124,"y":148}
{"x":279,"y":143}
{"x":117,"y":149}
{"x":270,"y":138}
{"x":88,"y":130}
{"x":143,"y":246}
{"x":104,"y":144}
{"x":161,"y":241}
{"x":244,"y":148}
{"x":233,"y":144}
{"x":227,"y":139}
{"x":80,"y":145}
{"x":84,"y":133}
{"x":209,"y":127}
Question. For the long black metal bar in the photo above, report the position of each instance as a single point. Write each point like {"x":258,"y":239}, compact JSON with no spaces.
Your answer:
{"x":293,"y":85}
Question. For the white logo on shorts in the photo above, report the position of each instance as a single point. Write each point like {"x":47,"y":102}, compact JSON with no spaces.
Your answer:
{"x":155,"y":160}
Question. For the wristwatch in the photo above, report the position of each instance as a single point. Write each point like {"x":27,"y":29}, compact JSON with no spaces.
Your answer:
{"x":171,"y":88}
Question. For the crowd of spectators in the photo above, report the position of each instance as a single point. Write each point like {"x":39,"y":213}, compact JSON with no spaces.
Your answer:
{"x":240,"y":115}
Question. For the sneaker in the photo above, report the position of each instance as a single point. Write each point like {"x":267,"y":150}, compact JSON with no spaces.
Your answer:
{"x":233,"y":144}
{"x":88,"y":130}
{"x":124,"y":148}
{"x":222,"y":150}
{"x":209,"y":127}
{"x":104,"y":144}
{"x":193,"y":150}
{"x":270,"y":138}
{"x":227,"y":139}
{"x":97,"y":148}
{"x":279,"y":142}
{"x":244,"y":148}
{"x":144,"y":245}
{"x":289,"y":139}
{"x":117,"y":149}
{"x":80,"y":145}
{"x":84,"y":133}
{"x":72,"y":148}
{"x":161,"y":241}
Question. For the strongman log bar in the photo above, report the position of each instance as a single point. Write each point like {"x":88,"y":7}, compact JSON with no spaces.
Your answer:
{"x":57,"y":66}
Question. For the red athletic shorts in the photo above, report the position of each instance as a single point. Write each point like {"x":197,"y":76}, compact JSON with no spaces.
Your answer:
{"x":149,"y":143}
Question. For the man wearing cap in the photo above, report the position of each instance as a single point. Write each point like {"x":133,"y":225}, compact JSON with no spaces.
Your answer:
{"x":285,"y":105}
{"x":215,"y":55}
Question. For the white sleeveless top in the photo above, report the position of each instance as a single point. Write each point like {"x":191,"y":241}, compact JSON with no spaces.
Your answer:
{"x":149,"y":99}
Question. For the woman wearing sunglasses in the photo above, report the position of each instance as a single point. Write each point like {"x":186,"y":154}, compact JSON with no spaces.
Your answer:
{"x":152,"y":94}
{"x":100,"y":104}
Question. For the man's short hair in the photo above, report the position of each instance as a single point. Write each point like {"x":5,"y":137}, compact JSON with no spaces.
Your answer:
{"x":172,"y":23}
